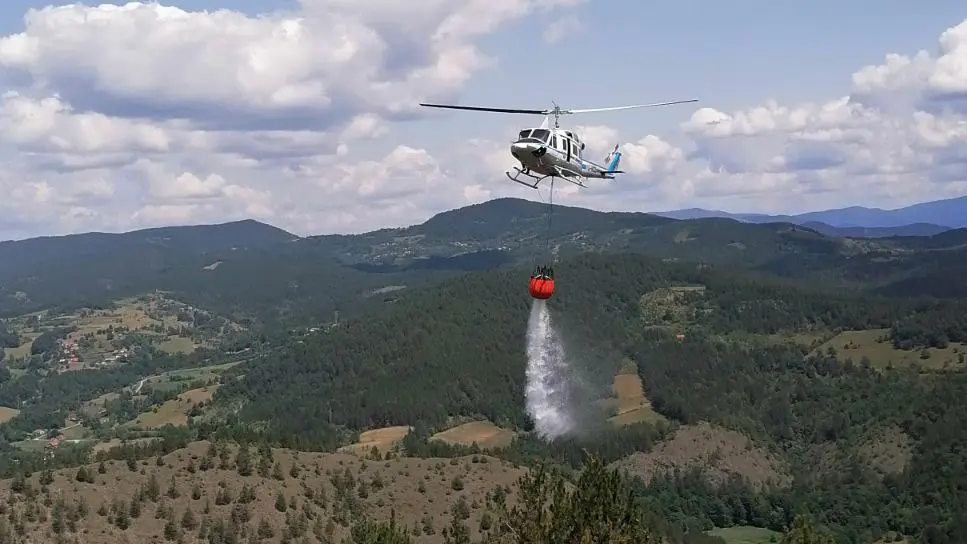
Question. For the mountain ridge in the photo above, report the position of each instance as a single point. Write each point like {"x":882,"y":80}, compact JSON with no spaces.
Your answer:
{"x":937,"y":214}
{"x":250,"y":270}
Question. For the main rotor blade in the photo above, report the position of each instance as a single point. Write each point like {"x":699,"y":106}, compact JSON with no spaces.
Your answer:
{"x":635,"y":106}
{"x":475,"y":108}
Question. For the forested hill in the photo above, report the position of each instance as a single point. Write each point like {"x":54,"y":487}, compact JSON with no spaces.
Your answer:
{"x":862,"y":438}
{"x":261,"y":275}
{"x":456,"y":347}
{"x":52,"y":250}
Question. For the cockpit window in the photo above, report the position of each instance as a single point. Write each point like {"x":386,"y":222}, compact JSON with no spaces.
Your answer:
{"x":537,"y":135}
{"x":541,"y":134}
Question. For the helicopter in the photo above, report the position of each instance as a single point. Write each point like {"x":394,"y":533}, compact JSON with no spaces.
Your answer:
{"x":546,"y":152}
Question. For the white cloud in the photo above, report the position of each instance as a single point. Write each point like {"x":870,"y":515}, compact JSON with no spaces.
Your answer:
{"x":561,"y":28}
{"x":119,"y":117}
{"x":116,"y":117}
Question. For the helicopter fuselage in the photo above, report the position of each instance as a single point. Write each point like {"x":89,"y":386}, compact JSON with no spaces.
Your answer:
{"x":557,"y":152}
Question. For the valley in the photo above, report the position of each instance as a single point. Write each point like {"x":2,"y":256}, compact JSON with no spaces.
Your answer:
{"x":737,"y":374}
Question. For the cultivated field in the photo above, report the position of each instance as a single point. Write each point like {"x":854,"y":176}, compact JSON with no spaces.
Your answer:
{"x":629,"y":403}
{"x":384,"y":439}
{"x":484,"y":433}
{"x":6,"y":414}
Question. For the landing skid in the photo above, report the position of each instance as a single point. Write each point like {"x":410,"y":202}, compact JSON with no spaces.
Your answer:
{"x":520,"y":172}
{"x":563,"y":174}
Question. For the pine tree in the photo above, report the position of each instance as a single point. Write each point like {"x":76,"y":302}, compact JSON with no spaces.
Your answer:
{"x":188,"y":520}
{"x":804,"y":531}
{"x":280,"y":502}
{"x":153,"y":490}
{"x":600,"y":508}
{"x":369,"y":532}
{"x":243,"y":460}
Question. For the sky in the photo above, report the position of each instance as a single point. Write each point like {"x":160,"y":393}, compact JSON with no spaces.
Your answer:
{"x":304,"y":113}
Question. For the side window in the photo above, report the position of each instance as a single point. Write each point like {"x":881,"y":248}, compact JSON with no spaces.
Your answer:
{"x":554,"y":142}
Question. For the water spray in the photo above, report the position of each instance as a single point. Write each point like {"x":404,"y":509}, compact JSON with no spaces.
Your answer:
{"x":547,"y":375}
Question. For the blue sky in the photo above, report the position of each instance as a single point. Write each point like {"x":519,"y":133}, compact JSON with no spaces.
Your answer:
{"x":130,"y":145}
{"x":728,"y":55}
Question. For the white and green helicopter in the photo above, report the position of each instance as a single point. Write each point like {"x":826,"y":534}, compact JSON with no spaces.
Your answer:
{"x":546,"y":152}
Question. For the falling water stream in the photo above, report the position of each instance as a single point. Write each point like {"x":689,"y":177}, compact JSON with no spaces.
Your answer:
{"x":547,"y":376}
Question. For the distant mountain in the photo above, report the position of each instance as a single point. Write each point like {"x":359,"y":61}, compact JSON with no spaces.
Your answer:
{"x":199,"y":239}
{"x":915,"y":229}
{"x":249,"y":270}
{"x":922,"y":219}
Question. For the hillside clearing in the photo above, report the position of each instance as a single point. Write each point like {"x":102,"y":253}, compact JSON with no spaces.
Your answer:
{"x":874,"y":344}
{"x":718,"y":452}
{"x":174,"y":377}
{"x":177,"y":344}
{"x":484,"y":433}
{"x":383,"y":439}
{"x":175,"y":411}
{"x":631,"y":405}
{"x":168,"y":324}
{"x":887,"y":450}
{"x":421,"y":492}
{"x":23,"y":349}
{"x":7,"y":413}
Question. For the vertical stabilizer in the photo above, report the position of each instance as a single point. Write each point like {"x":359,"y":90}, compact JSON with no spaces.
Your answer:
{"x":614,"y":158}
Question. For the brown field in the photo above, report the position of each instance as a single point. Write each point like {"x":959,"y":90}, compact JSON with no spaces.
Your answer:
{"x":177,"y":344}
{"x":629,"y":402}
{"x":6,"y":413}
{"x":420,"y":491}
{"x":175,"y":411}
{"x":857,"y":344}
{"x":484,"y":433}
{"x":718,"y":452}
{"x":383,"y":439}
